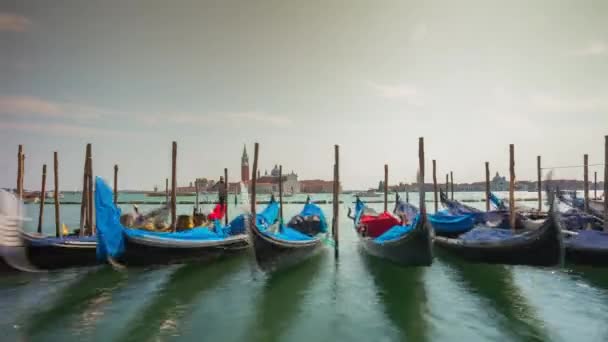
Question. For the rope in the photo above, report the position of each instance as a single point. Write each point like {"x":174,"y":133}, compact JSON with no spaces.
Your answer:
{"x":570,"y":167}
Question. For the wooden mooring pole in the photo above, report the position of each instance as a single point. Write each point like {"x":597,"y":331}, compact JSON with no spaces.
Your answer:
{"x":451,"y":185}
{"x":512,"y":186}
{"x":254,"y":181}
{"x":586,"y":181}
{"x":539,"y":183}
{"x":487,"y":186}
{"x":385,"y":187}
{"x":226,"y":196}
{"x":336,"y":199}
{"x":84,"y":198}
{"x":280,"y":196}
{"x":58,"y":232}
{"x":436,"y":198}
{"x":421,"y":179}
{"x":42,"y":198}
{"x":167,"y":191}
{"x":174,"y":187}
{"x":19,"y":188}
{"x":90,"y":201}
{"x":595,"y":185}
{"x":606,"y":183}
{"x":115,"y":184}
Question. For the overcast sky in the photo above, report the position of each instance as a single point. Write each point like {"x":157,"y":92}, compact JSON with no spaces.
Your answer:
{"x":299,"y":77}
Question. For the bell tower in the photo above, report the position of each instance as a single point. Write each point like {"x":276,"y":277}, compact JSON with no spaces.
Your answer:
{"x":245,"y":165}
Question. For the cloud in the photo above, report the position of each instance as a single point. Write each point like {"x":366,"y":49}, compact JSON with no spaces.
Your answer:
{"x":597,"y":48}
{"x":229,"y":118}
{"x":33,"y":106}
{"x":274,"y":120}
{"x":409,"y":93}
{"x":13,"y":22}
{"x":60,"y":129}
{"x":553,"y":104}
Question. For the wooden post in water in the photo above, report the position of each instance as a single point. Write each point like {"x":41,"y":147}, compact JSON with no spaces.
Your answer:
{"x":167,"y":191}
{"x":115,"y":184}
{"x":487,"y":186}
{"x":421,"y":179}
{"x":539,"y":184}
{"x":512,"y":186}
{"x":336,"y":202}
{"x":58,"y":231}
{"x":385,"y":187}
{"x":84,"y":197}
{"x":435,"y":185}
{"x":19,"y":188}
{"x":447,"y":184}
{"x":586,"y":181}
{"x":226,"y":196}
{"x":595,"y":185}
{"x":451,"y":185}
{"x":90,"y":201}
{"x":280,"y":196}
{"x":196,"y":198}
{"x":42,"y":198}
{"x":254,"y":181}
{"x":606,"y":183}
{"x":407,"y":196}
{"x":174,"y":187}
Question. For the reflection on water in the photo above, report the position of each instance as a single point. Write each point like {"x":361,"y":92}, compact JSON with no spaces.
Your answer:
{"x":402,"y":292}
{"x":84,"y":297}
{"x":280,"y":302}
{"x":494,"y":284}
{"x":173,"y":301}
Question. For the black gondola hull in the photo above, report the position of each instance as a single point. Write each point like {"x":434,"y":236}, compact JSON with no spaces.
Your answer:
{"x":413,"y":249}
{"x":543,"y":247}
{"x":46,"y":255}
{"x":272,"y":254}
{"x":587,"y":256}
{"x":150,"y":253}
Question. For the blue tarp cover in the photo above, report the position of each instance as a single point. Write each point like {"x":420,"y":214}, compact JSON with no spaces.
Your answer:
{"x":452,"y":223}
{"x":270,"y":215}
{"x":394,"y":232}
{"x":397,"y":231}
{"x":482,"y":234}
{"x":589,"y":239}
{"x":110,"y":232}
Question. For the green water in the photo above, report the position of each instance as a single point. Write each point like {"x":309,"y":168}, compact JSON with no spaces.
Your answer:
{"x":354,"y":298}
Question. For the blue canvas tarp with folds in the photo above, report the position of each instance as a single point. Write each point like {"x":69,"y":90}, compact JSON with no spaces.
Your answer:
{"x":452,"y":224}
{"x":111,"y":233}
{"x":270,"y":216}
{"x":397,"y":232}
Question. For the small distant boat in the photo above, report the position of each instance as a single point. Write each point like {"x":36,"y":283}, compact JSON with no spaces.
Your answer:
{"x":277,"y":245}
{"x":385,"y":236}
{"x":537,"y":244}
{"x":133,"y":246}
{"x":368,"y":194}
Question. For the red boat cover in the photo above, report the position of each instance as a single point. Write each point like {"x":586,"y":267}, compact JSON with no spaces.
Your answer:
{"x":218,"y":212}
{"x":377,"y":225}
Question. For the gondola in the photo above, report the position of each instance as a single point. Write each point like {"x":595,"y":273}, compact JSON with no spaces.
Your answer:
{"x":134,"y":246}
{"x":276,"y":245}
{"x":32,"y":252}
{"x":385,"y":236}
{"x":460,"y":218}
{"x":585,"y":242}
{"x":536,"y":244}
